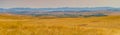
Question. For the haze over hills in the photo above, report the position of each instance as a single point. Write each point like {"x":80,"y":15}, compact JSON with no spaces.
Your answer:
{"x":62,"y":11}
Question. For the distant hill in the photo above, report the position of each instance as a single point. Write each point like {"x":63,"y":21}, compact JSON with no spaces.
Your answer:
{"x":62,"y":11}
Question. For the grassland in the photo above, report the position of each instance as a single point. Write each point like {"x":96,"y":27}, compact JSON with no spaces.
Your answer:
{"x":22,"y":25}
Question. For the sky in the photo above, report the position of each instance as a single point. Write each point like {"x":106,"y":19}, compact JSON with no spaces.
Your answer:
{"x":58,"y":3}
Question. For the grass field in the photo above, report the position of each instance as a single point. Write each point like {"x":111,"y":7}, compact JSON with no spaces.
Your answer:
{"x":106,"y":25}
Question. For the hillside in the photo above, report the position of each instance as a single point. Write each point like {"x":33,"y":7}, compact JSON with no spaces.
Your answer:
{"x":105,"y":25}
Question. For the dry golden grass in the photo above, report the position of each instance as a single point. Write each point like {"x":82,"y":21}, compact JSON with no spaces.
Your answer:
{"x":107,"y":25}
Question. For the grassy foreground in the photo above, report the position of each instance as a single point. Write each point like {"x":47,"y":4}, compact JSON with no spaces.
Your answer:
{"x":107,"y":25}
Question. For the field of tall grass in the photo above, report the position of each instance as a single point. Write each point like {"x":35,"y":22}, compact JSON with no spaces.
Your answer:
{"x":106,"y":25}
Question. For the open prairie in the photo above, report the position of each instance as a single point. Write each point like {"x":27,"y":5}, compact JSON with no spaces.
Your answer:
{"x":26,"y":25}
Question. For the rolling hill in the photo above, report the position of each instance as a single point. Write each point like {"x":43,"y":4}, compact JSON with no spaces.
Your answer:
{"x":105,"y":25}
{"x":60,"y":21}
